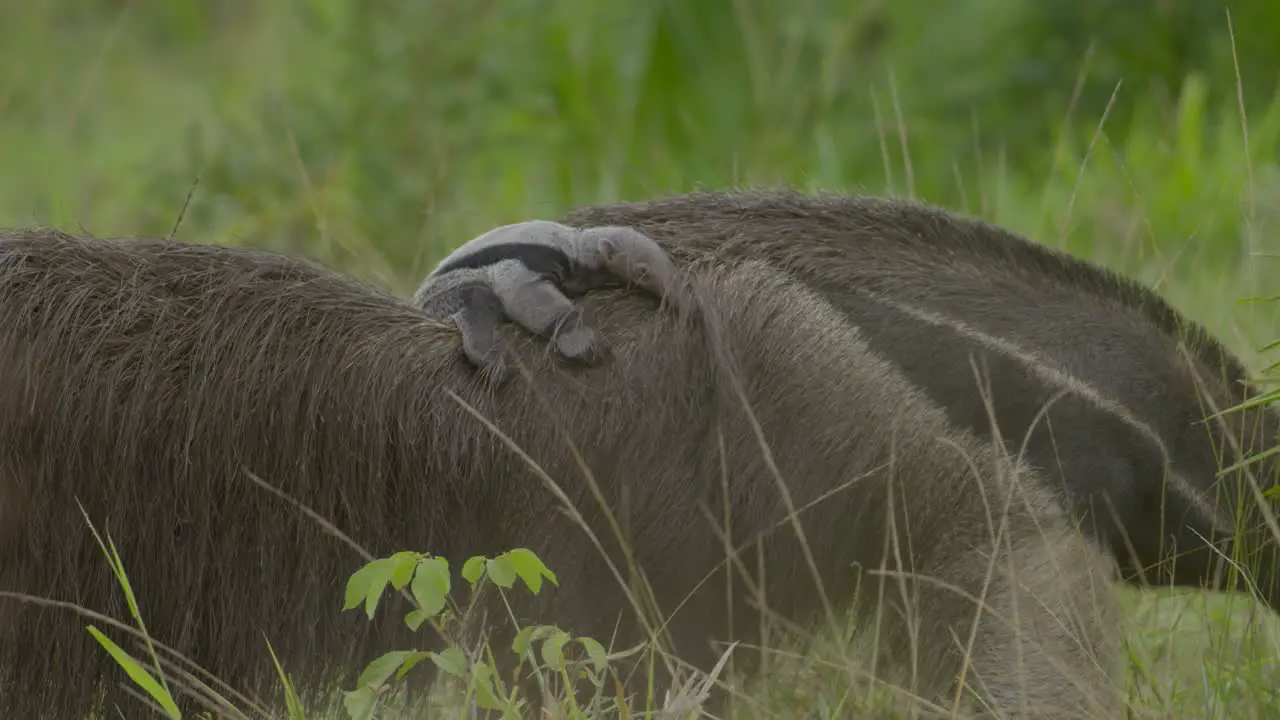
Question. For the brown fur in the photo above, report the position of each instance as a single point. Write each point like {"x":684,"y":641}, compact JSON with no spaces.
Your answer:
{"x":145,"y":378}
{"x":14,"y":508}
{"x":1101,"y":384}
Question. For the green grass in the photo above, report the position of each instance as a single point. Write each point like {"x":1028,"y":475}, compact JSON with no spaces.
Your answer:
{"x":375,"y":141}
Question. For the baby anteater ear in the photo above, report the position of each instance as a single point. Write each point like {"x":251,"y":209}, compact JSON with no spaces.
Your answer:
{"x":525,"y":273}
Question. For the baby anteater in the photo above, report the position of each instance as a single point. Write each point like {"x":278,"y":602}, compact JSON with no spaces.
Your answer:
{"x":524,"y":271}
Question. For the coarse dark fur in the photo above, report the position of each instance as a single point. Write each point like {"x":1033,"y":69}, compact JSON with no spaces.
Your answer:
{"x":144,"y":379}
{"x":1094,"y":377}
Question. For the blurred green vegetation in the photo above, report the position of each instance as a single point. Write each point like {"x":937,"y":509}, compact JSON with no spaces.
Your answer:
{"x":1144,"y":134}
{"x":335,"y":129}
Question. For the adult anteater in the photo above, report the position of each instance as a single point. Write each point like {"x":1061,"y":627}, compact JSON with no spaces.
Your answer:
{"x":1097,"y":381}
{"x":144,"y":379}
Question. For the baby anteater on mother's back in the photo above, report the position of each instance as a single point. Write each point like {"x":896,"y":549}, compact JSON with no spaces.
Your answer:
{"x":143,"y":379}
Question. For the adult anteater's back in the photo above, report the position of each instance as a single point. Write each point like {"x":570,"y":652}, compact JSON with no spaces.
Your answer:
{"x":143,"y":381}
{"x":1098,"y":381}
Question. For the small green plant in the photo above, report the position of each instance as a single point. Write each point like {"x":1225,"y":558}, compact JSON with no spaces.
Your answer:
{"x":428,"y":583}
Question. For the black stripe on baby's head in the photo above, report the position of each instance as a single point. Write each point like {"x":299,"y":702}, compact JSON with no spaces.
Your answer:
{"x":540,"y":259}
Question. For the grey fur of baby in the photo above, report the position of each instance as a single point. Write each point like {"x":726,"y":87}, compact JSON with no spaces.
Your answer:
{"x":527,"y":273}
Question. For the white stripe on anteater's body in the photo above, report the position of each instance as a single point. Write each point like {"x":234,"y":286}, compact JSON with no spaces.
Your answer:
{"x":526,"y":272}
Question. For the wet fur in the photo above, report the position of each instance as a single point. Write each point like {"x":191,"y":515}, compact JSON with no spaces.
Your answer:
{"x":144,"y":378}
{"x":1095,"y":378}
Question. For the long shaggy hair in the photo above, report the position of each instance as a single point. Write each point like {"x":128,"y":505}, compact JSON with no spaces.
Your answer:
{"x":1098,"y":382}
{"x":144,"y":382}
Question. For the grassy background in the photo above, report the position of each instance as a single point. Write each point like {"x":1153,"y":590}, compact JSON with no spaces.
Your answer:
{"x":375,"y":136}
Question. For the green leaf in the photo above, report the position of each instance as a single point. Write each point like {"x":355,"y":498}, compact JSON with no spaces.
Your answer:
{"x":595,"y":651}
{"x":382,"y":668}
{"x":359,"y":703}
{"x":431,"y":584}
{"x":358,"y":585}
{"x":473,"y":569}
{"x":501,"y":572}
{"x":529,"y":635}
{"x":542,"y":631}
{"x":404,"y":563}
{"x":553,"y":650}
{"x":482,"y":682}
{"x":530,"y":568}
{"x":415,"y":618}
{"x":521,"y":642}
{"x":409,"y":662}
{"x":451,"y":661}
{"x":138,"y":674}
{"x":367,"y":584}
